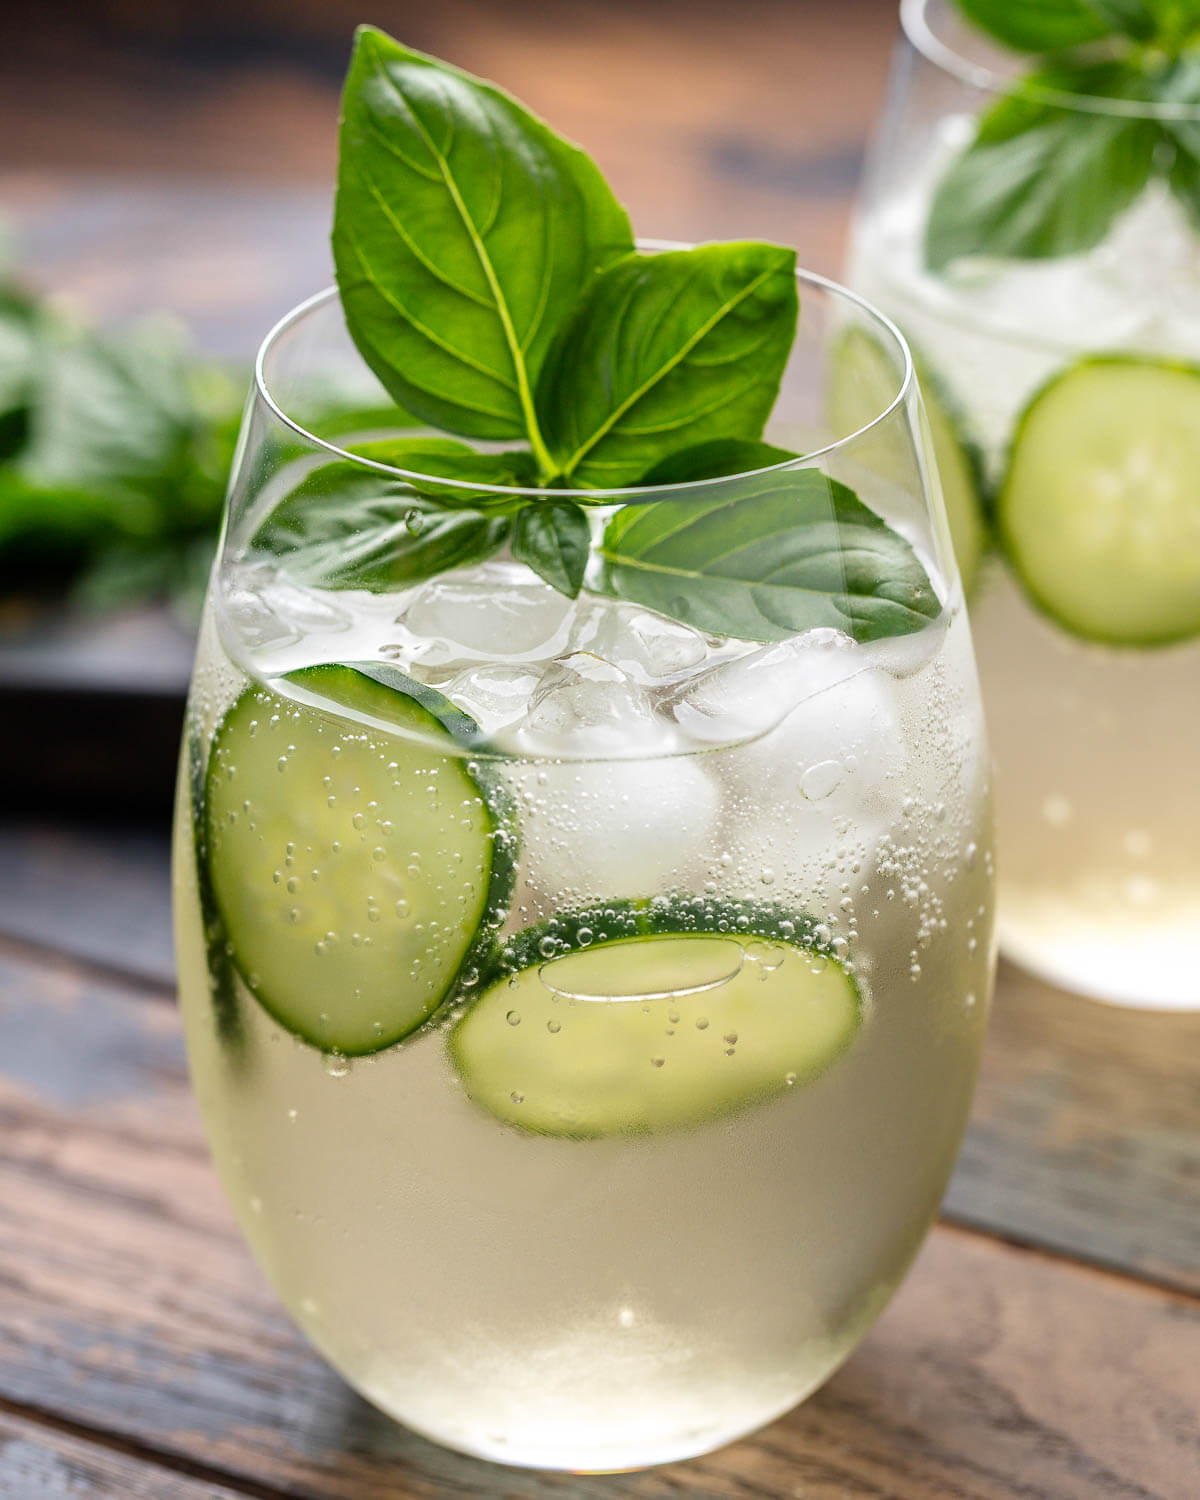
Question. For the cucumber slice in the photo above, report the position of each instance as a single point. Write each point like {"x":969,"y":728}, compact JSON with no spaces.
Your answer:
{"x":650,"y":1032}
{"x":1099,"y":513}
{"x":222,"y":980}
{"x":352,"y":867}
{"x":863,"y":379}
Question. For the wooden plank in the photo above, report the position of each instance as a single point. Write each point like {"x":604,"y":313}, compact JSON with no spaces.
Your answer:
{"x":128,"y":1304}
{"x":98,"y":893}
{"x":38,"y":1461}
{"x":1085,"y":1135}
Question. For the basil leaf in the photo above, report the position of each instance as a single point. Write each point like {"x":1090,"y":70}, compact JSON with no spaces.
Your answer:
{"x":380,"y":549}
{"x":18,"y":350}
{"x":1182,"y":136}
{"x":116,"y":440}
{"x":433,"y":458}
{"x":111,"y":413}
{"x":1184,"y":178}
{"x":345,"y":526}
{"x":48,"y":534}
{"x":1177,"y":20}
{"x":124,"y":574}
{"x":464,"y":230}
{"x":784,"y":553}
{"x":340,"y":423}
{"x":1167,"y":22}
{"x":716,"y":460}
{"x":553,"y":538}
{"x":1041,"y":179}
{"x":1132,"y":17}
{"x":664,"y":350}
{"x":115,"y":450}
{"x":1038,"y":25}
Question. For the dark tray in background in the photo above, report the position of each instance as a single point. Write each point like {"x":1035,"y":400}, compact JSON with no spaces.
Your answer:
{"x":91,"y":707}
{"x":92,"y":711}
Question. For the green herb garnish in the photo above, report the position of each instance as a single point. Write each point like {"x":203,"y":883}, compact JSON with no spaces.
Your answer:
{"x":489,"y":278}
{"x":351,"y":527}
{"x":770,"y":556}
{"x":667,"y":350}
{"x":115,"y":450}
{"x":464,"y":231}
{"x":1045,"y":176}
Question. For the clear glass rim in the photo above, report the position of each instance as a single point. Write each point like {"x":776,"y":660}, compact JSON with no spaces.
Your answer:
{"x":813,"y":279}
{"x":924,"y":37}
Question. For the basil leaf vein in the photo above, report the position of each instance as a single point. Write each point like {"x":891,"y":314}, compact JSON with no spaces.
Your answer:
{"x":1042,"y":179}
{"x":453,"y":302}
{"x":346,"y":526}
{"x":553,"y":538}
{"x":719,"y":459}
{"x":667,"y":349}
{"x":788,"y":553}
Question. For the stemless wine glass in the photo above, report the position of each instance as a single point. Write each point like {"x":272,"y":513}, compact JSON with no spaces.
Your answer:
{"x":584,"y":1005}
{"x":1061,"y":399}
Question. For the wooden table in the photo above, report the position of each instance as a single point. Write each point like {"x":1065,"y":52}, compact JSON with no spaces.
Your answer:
{"x":1047,"y":1344}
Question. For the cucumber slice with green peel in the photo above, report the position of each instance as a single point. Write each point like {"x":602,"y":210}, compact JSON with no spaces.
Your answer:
{"x":656,"y":1031}
{"x":222,"y":980}
{"x":863,"y":380}
{"x":1099,"y":513}
{"x":353,"y":867}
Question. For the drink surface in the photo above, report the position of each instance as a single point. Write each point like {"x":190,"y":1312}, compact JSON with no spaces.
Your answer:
{"x":684,"y":1266}
{"x":1099,"y":883}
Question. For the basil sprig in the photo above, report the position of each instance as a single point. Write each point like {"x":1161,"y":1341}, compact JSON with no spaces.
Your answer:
{"x":1054,"y":25}
{"x":1045,"y":177}
{"x":489,"y":278}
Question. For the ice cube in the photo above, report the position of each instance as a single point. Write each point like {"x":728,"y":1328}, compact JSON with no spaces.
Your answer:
{"x":840,"y":751}
{"x":311,"y":611}
{"x":494,"y":612}
{"x":494,"y":696}
{"x":743,"y":698}
{"x":646,"y":645}
{"x":594,"y":830}
{"x":253,"y":617}
{"x":815,"y":792}
{"x":586,"y":707}
{"x":905,"y":655}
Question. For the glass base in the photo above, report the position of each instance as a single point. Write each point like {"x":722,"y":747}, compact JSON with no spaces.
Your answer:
{"x":555,"y":1446}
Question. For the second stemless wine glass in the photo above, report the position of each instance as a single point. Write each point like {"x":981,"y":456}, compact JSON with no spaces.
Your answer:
{"x":1066,"y":410}
{"x":584,"y":1006}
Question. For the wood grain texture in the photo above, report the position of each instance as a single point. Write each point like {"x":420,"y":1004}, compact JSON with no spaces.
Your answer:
{"x":101,"y":894}
{"x":40,"y":1463}
{"x":1085,"y":1134}
{"x":128,"y":1305}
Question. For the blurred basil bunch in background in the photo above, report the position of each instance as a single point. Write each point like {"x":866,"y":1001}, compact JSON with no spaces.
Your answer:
{"x":115,"y":447}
